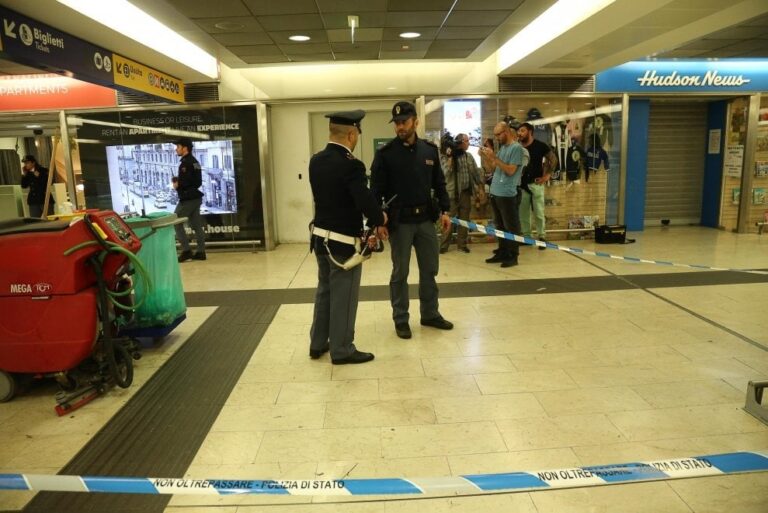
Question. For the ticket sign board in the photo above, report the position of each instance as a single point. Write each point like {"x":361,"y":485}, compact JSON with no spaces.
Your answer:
{"x":133,"y":75}
{"x":38,"y":45}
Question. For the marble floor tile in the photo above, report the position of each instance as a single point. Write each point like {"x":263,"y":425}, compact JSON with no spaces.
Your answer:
{"x":319,"y":445}
{"x":487,"y":503}
{"x":441,"y":439}
{"x":734,"y":442}
{"x":270,"y":417}
{"x":743,"y":493}
{"x":688,"y":393}
{"x":380,"y":368}
{"x":329,"y":391}
{"x":466,"y":365}
{"x":528,"y":381}
{"x":286,"y":373}
{"x":487,"y":407}
{"x":229,"y":447}
{"x":692,"y":421}
{"x":564,"y":359}
{"x":519,"y":461}
{"x":626,"y":452}
{"x":395,"y":412}
{"x":432,"y":466}
{"x":590,"y":400}
{"x":553,"y":432}
{"x":634,"y":498}
{"x":427,"y":387}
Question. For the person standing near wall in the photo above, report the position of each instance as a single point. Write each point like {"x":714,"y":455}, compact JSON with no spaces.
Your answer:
{"x":409,"y":167}
{"x":536,"y":175}
{"x":35,"y":178}
{"x":187,"y":185}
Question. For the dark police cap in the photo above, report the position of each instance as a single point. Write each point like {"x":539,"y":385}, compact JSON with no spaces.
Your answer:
{"x":347,"y":117}
{"x":402,"y":111}
{"x":29,"y":158}
{"x":183,"y":141}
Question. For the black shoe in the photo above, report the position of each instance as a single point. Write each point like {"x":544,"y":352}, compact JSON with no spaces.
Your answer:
{"x":443,"y":250}
{"x":496,"y":251}
{"x":437,"y":322}
{"x":185,"y":255}
{"x":403,"y":330}
{"x":495,"y":259}
{"x":464,"y":249}
{"x":542,"y":248}
{"x":356,"y":357}
{"x":509,"y":263}
{"x":199,"y":256}
{"x":317,"y":353}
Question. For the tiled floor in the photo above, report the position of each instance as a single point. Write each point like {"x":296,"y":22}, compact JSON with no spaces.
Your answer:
{"x":522,"y":383}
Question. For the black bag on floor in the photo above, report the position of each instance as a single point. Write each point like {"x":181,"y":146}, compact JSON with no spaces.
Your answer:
{"x":612,"y":234}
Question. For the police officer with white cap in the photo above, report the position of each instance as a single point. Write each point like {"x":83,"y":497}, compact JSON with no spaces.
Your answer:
{"x":409,"y":168}
{"x":342,"y":197}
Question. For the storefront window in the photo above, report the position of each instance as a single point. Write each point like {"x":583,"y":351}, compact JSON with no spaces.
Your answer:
{"x":583,"y":131}
{"x":759,"y":208}
{"x":128,"y":162}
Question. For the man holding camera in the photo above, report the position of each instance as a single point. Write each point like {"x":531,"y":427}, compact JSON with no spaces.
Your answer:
{"x":462,"y":177}
{"x":341,"y":196}
{"x":409,"y":167}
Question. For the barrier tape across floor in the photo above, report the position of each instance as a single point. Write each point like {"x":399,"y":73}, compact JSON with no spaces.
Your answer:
{"x":676,"y":468}
{"x":535,"y":242}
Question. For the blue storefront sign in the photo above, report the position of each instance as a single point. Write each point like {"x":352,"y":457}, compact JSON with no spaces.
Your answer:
{"x":742,"y":75}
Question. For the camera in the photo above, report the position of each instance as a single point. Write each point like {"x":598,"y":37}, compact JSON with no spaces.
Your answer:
{"x":449,"y":142}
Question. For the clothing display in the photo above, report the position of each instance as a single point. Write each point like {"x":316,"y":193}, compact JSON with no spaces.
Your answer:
{"x":596,"y":156}
{"x":574,"y":161}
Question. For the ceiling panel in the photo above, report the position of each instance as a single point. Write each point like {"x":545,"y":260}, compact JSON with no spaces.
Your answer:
{"x":257,"y":50}
{"x":341,"y":35}
{"x":291,"y":22}
{"x":352,"y":6}
{"x":357,"y":47}
{"x":465,"y":32}
{"x":476,"y":18}
{"x":393,"y":34}
{"x":397,"y":46}
{"x":263,"y":59}
{"x":488,"y":5}
{"x":305,"y":48}
{"x":447,"y":54}
{"x":420,"y":5}
{"x":415,"y":18}
{"x":356,"y":56}
{"x":281,"y":37}
{"x":403,"y":55}
{"x":208,"y":9}
{"x":455,"y":44}
{"x":243,"y":38}
{"x":269,"y":7}
{"x":312,"y":57}
{"x":376,"y":19}
{"x":740,"y":33}
{"x":229,"y":24}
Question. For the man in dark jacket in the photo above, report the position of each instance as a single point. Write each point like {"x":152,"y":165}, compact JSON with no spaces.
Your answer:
{"x":35,"y":178}
{"x":341,"y":196}
{"x":409,"y":167}
{"x":187,"y":185}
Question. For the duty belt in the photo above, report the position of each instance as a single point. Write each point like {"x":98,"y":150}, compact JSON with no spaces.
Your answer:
{"x":338,"y":237}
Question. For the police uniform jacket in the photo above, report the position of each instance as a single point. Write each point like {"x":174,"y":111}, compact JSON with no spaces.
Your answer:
{"x":411,"y":171}
{"x":190,"y":178}
{"x":342,"y":197}
{"x":36,"y":184}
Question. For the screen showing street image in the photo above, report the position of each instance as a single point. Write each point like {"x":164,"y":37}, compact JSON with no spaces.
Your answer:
{"x":140,"y":177}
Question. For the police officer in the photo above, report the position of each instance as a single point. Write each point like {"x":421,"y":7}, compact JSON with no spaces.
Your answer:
{"x":35,"y":177}
{"x":409,"y":167}
{"x":187,"y":185}
{"x":341,"y":196}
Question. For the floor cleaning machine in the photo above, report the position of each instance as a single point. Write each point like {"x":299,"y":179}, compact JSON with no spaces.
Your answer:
{"x":65,"y":290}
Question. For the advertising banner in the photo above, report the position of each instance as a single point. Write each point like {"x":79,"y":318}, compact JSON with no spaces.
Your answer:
{"x":52,"y":92}
{"x":132,"y":75}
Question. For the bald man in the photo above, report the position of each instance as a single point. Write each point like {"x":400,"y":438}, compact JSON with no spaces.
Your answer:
{"x":509,"y":162}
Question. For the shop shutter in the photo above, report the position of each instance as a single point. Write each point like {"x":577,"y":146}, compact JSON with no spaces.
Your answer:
{"x":676,"y":149}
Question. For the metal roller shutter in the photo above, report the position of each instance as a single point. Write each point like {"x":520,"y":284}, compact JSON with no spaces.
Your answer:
{"x":676,"y":149}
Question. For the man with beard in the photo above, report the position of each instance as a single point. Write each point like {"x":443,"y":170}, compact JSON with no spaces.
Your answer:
{"x":409,"y":167}
{"x":535,"y":176}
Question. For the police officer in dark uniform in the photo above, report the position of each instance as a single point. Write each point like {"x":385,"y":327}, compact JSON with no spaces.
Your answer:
{"x":341,"y":196}
{"x":409,"y":167}
{"x":35,"y":177}
{"x":187,"y":185}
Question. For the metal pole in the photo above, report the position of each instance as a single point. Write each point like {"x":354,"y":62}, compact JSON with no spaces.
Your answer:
{"x":624,"y":148}
{"x":67,"y":151}
{"x":267,"y":180}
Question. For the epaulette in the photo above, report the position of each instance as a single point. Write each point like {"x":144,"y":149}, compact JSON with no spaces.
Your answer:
{"x":430,"y":143}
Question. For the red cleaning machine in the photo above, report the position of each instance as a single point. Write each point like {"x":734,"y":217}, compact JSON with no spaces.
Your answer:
{"x":64,"y":288}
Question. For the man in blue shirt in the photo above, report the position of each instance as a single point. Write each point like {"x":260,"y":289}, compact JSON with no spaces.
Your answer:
{"x":504,"y":194}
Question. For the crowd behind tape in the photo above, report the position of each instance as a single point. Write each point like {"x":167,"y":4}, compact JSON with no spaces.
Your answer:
{"x":600,"y":475}
{"x":534,"y":242}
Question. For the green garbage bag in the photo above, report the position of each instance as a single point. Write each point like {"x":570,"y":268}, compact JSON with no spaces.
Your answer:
{"x":164,"y":303}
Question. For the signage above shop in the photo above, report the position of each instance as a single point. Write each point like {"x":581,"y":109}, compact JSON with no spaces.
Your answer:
{"x":742,"y":75}
{"x":52,"y":92}
{"x":38,"y":45}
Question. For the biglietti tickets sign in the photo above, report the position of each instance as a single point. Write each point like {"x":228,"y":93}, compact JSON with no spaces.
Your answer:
{"x":743,"y":75}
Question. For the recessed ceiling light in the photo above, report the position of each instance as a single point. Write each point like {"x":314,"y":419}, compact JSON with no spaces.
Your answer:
{"x":391,"y":88}
{"x":299,"y":38}
{"x":546,"y":103}
{"x":231,"y":26}
{"x":410,"y":35}
{"x":405,"y":47}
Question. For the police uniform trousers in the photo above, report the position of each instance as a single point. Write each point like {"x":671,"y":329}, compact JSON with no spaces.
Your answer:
{"x":423,"y":238}
{"x":191,"y":210}
{"x":335,"y":307}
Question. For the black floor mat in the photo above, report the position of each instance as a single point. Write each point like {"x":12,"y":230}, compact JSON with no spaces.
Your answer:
{"x":159,"y":431}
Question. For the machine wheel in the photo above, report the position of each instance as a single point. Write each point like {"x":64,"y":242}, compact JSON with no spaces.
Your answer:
{"x":124,"y":374}
{"x":7,"y":386}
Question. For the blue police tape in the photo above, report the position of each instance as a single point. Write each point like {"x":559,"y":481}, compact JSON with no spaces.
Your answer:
{"x":675,"y":468}
{"x":534,"y":242}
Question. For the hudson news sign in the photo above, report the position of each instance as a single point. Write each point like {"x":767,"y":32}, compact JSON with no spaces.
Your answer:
{"x":749,"y":75}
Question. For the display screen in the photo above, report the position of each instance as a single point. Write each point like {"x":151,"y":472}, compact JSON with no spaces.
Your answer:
{"x":140,"y":177}
{"x":464,"y":117}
